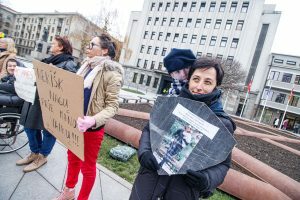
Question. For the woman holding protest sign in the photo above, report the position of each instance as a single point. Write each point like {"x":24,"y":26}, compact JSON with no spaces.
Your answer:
{"x":102,"y":83}
{"x":31,"y":116}
{"x":203,"y":78}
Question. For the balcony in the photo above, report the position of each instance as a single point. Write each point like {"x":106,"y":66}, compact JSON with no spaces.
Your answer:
{"x":284,"y":86}
{"x":280,"y":106}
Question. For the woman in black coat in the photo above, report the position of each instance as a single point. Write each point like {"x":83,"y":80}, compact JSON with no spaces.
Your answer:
{"x":31,"y":116}
{"x":203,"y":78}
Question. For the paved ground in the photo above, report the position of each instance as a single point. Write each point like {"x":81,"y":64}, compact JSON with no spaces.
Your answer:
{"x":46,"y":182}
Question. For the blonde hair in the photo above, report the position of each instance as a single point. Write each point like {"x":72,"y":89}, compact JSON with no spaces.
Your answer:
{"x":10,"y":44}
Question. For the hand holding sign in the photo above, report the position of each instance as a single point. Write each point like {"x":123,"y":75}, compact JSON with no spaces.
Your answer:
{"x":85,"y":123}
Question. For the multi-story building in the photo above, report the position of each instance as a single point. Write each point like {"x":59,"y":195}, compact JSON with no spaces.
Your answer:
{"x":235,"y":30}
{"x":30,"y":28}
{"x":283,"y":77}
{"x":7,"y":18}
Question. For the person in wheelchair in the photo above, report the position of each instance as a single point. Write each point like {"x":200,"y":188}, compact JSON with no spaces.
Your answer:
{"x":8,"y":95}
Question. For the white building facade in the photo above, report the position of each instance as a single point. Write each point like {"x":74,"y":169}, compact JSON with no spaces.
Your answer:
{"x":7,"y":18}
{"x":283,"y":77}
{"x":235,"y":30}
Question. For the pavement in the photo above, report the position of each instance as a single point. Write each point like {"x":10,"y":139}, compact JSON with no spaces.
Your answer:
{"x":47,"y":182}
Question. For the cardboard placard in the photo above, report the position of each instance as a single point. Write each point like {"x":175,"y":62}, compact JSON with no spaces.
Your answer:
{"x":25,"y":83}
{"x":61,"y":99}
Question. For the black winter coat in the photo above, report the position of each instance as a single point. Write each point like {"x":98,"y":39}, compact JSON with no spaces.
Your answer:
{"x":151,"y":186}
{"x":31,"y":115}
{"x":8,"y":96}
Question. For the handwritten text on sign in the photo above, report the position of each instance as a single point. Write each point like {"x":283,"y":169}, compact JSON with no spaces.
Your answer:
{"x":61,"y":99}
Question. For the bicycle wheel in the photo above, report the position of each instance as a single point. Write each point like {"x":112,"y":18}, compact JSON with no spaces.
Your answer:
{"x":12,"y":134}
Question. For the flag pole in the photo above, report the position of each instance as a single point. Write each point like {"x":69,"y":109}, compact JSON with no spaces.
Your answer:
{"x":248,"y":91}
{"x":269,"y":90}
{"x":286,"y":107}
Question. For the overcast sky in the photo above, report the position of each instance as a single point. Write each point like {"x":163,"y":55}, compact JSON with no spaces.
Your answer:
{"x":287,"y":39}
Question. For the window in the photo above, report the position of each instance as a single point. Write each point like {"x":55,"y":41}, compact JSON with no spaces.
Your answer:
{"x":168,"y":5}
{"x":142,"y":79}
{"x":184,"y":7}
{"x":294,"y":101}
{"x":199,"y":54}
{"x":239,"y":25}
{"x":233,"y":7}
{"x":213,"y":40}
{"x":289,"y":62}
{"x":202,"y":6}
{"x":218,"y":24}
{"x":223,"y":42}
{"x":172,"y":21}
{"x":245,"y":6}
{"x":145,"y":64}
{"x":152,"y":35}
{"x":152,"y":65}
{"x":297,"y":80}
{"x":134,"y":77}
{"x":142,"y":49}
{"x":156,"y":50}
{"x":184,"y":38}
{"x":193,"y":6}
{"x":203,"y":39}
{"x":163,"y":21}
{"x":156,"y":20}
{"x":280,"y":61}
{"x":280,"y":98}
{"x":138,"y":62}
{"x":228,"y":24}
{"x":160,"y":64}
{"x":274,"y":75}
{"x":212,"y":6}
{"x":209,"y":55}
{"x":188,"y":22}
{"x":160,"y":5}
{"x":168,"y":37}
{"x":207,"y":23}
{"x":155,"y":83}
{"x":267,"y":94}
{"x":180,"y":21}
{"x":219,"y":57}
{"x":149,"y":49}
{"x":193,"y":39}
{"x":148,"y":80}
{"x":149,"y":20}
{"x":287,"y":77}
{"x":222,"y":7}
{"x":146,"y":35}
{"x":152,"y":6}
{"x":163,"y":52}
{"x":234,"y":43}
{"x":176,"y":4}
{"x":159,"y":36}
{"x":229,"y":60}
{"x":198,"y":23}
{"x":176,"y":36}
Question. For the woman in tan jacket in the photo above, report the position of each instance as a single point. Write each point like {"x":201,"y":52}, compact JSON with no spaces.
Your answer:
{"x":7,"y":51}
{"x":102,"y":83}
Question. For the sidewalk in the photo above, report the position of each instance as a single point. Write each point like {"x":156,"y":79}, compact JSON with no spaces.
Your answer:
{"x":46,"y":182}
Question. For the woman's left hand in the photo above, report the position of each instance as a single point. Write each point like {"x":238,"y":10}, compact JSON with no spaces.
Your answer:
{"x":85,"y":123}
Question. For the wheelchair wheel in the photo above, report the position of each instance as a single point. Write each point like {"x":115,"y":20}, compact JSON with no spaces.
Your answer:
{"x":12,"y":134}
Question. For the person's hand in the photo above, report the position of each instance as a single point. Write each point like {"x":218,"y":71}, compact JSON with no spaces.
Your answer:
{"x":197,"y":179}
{"x":85,"y":123}
{"x":148,"y":161}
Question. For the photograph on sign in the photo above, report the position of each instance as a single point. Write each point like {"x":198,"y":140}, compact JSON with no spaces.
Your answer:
{"x":61,"y":99}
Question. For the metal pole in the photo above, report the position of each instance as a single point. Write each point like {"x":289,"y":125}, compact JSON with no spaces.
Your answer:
{"x":269,"y":90}
{"x":244,"y":104}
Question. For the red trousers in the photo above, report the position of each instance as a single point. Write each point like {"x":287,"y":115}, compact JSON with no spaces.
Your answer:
{"x":92,"y":143}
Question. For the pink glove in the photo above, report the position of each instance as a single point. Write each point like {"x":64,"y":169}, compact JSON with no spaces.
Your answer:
{"x":85,"y":123}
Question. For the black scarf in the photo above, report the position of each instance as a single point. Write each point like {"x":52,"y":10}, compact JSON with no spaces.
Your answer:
{"x":55,"y":60}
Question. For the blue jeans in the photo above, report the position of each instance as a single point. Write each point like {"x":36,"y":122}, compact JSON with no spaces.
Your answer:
{"x":39,"y":144}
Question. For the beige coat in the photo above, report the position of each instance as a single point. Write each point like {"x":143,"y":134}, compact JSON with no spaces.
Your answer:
{"x":103,"y":102}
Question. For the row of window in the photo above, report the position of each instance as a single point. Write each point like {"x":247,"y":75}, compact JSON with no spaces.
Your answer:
{"x":196,"y":24}
{"x":194,"y":6}
{"x":41,"y":20}
{"x":280,"y":97}
{"x":184,"y":39}
{"x":286,"y":77}
{"x":148,"y":81}
{"x":288,"y":62}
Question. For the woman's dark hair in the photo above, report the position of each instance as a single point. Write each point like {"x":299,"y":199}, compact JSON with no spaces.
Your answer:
{"x":206,"y":63}
{"x":107,"y":43}
{"x":11,"y":60}
{"x":65,"y":43}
